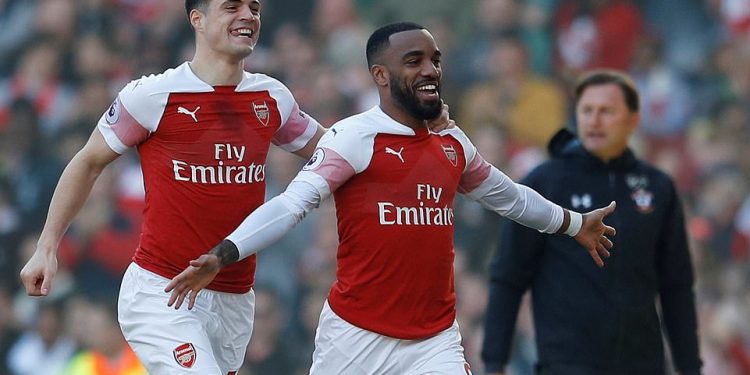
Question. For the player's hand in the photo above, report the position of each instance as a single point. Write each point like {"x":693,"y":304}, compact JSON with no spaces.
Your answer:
{"x":441,"y":122}
{"x":593,"y":233}
{"x":38,"y":273}
{"x":197,"y":276}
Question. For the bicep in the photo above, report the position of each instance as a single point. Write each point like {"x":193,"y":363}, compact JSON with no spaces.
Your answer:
{"x":96,"y":153}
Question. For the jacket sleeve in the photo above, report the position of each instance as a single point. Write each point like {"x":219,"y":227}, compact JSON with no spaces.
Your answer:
{"x":675,"y":272}
{"x":511,"y":273}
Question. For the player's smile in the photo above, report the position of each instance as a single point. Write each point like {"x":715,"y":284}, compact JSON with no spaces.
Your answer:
{"x":244,"y":34}
{"x":427,"y":91}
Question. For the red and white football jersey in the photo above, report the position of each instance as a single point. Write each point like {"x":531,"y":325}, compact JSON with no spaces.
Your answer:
{"x":394,"y":190}
{"x":203,"y":154}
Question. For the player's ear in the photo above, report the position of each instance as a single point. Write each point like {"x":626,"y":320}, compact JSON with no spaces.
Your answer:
{"x":380,"y":75}
{"x":196,"y":19}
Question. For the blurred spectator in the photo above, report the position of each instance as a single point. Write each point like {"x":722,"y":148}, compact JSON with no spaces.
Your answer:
{"x":15,"y":20}
{"x":687,"y":29}
{"x":10,"y":328}
{"x":665,"y":100}
{"x":44,"y":349}
{"x":495,"y":19}
{"x":271,"y":351}
{"x":57,"y":20}
{"x":31,"y":164}
{"x":10,"y":228}
{"x":337,"y":24}
{"x":37,"y":78}
{"x":105,"y":351}
{"x":596,"y":34}
{"x":511,"y":99}
{"x":735,"y":16}
{"x":719,"y":199}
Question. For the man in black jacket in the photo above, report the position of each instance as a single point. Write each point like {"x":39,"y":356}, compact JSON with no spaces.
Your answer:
{"x":590,"y":320}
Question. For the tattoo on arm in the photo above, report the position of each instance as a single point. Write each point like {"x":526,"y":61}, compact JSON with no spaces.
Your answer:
{"x":227,"y":252}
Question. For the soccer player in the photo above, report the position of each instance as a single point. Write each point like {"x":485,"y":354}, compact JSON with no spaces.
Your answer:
{"x":202,"y":130}
{"x":392,"y":307}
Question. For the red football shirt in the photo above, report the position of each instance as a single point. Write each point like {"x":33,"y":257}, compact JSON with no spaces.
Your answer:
{"x":394,"y":190}
{"x":203,"y":154}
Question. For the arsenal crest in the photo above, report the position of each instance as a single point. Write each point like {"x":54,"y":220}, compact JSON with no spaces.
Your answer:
{"x":262,"y":112}
{"x":644,"y":200}
{"x":450,"y":153}
{"x":185,"y":355}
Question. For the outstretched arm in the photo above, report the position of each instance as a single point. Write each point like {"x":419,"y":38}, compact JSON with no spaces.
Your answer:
{"x":497,"y":192}
{"x":262,"y":228}
{"x":70,"y":194}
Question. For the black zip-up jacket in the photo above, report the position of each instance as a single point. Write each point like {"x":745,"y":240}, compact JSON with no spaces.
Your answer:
{"x":602,"y":318}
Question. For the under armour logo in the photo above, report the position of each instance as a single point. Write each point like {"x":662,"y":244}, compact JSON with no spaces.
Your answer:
{"x":389,"y":150}
{"x":185,"y":111}
{"x":583,"y":201}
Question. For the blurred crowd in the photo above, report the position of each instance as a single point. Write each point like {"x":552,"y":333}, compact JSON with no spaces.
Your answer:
{"x":509,"y":66}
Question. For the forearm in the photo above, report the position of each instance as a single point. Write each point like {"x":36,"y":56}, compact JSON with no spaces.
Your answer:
{"x":520,"y":203}
{"x":271,"y":221}
{"x":71,"y":193}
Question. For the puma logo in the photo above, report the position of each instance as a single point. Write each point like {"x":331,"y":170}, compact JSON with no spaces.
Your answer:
{"x":389,"y":150}
{"x":185,"y":111}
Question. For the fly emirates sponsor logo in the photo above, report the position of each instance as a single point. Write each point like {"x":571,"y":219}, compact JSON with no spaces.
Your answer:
{"x":426,"y":212}
{"x":220,"y":173}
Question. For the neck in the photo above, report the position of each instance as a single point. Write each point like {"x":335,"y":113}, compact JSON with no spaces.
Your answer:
{"x":217,"y":70}
{"x":398,"y":114}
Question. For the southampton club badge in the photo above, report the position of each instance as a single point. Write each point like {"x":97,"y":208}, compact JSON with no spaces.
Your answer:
{"x":262,"y":112}
{"x":185,"y":355}
{"x":644,"y":200}
{"x":450,"y":153}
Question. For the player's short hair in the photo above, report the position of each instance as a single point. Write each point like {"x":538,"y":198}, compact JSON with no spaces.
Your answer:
{"x":201,"y":5}
{"x":606,"y":76}
{"x":380,"y":38}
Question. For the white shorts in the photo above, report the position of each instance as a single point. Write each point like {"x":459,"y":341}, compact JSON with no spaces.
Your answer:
{"x":210,"y":339}
{"x":344,"y":349}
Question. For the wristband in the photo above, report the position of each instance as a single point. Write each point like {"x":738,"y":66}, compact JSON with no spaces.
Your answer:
{"x":576,"y":221}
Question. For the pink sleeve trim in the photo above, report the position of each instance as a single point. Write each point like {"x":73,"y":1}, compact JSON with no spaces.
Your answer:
{"x":292,"y":133}
{"x":476,"y":173}
{"x":334,"y":169}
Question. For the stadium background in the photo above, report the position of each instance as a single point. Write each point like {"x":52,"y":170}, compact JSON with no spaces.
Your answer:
{"x":508,"y":70}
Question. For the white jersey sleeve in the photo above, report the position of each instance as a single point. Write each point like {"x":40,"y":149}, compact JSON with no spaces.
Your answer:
{"x":344,"y":151}
{"x":497,"y":192}
{"x":272,"y":220}
{"x":297,"y":128}
{"x":135,"y":114}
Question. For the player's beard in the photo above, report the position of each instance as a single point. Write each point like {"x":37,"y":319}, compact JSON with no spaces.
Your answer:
{"x":407,"y":99}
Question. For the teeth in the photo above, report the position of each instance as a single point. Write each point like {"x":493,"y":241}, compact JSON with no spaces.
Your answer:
{"x":427,"y":88}
{"x":249,"y":32}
